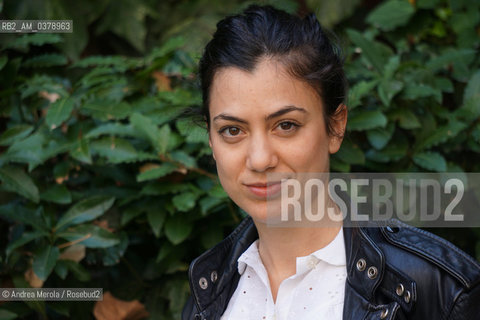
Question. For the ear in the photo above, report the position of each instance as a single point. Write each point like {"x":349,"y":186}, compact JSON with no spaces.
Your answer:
{"x":210,"y":144}
{"x":339,"y":125}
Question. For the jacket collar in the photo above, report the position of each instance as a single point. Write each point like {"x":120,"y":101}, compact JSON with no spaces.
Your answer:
{"x":214,"y":274}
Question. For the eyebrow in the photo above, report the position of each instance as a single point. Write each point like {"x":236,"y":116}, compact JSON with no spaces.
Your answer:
{"x":276,"y":114}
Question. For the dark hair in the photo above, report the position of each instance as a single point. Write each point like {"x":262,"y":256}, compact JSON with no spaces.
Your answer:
{"x":301,"y":45}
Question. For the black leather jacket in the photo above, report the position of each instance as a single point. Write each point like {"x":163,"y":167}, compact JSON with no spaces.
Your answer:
{"x":394,"y":272}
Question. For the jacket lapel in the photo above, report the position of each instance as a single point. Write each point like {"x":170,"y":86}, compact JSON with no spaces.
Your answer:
{"x":365,"y":271}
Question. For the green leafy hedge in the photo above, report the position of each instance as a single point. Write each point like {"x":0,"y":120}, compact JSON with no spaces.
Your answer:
{"x":107,"y":182}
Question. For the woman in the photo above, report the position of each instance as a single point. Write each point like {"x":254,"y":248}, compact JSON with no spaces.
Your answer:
{"x":273,"y":90}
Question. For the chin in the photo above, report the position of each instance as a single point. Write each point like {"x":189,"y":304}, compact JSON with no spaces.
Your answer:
{"x":265,"y":212}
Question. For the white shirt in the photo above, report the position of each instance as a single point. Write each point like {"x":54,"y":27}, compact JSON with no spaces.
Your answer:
{"x":316,"y":291}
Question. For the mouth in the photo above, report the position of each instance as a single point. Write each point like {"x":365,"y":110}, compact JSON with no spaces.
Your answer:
{"x":264,"y":189}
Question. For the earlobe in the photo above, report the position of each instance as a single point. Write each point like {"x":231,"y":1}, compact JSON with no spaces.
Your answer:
{"x":211,"y":148}
{"x":339,"y":127}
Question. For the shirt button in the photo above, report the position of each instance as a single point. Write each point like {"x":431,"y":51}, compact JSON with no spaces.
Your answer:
{"x":312,"y":262}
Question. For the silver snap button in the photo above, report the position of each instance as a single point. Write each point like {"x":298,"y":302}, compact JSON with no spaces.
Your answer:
{"x":372,"y":272}
{"x":384,"y":314}
{"x":407,"y":296}
{"x":214,"y":276}
{"x":203,"y":283}
{"x":361,"y":264}
{"x":400,"y":290}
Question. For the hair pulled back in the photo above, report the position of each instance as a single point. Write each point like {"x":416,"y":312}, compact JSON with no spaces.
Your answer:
{"x":300,"y":44}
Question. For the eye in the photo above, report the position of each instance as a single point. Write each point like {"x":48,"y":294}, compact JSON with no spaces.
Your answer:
{"x":287,"y":125}
{"x":230,"y":131}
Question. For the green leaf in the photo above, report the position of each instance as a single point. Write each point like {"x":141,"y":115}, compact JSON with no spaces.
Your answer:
{"x":169,"y":46}
{"x":131,"y":213}
{"x":192,"y":132}
{"x":414,"y":91}
{"x":392,"y":152}
{"x":177,"y":229}
{"x":338,"y":165}
{"x":391,"y":67}
{"x":163,"y":138}
{"x":40,"y":83}
{"x":3,"y":61}
{"x":365,"y":120}
{"x":134,"y":31}
{"x":207,"y":203}
{"x":161,"y":188}
{"x":388,"y":89}
{"x":451,"y":56}
{"x":45,"y":60}
{"x":113,"y":129}
{"x":407,"y":119}
{"x":358,"y":91}
{"x":185,"y":201}
{"x":104,"y":110}
{"x":350,"y":153}
{"x":379,"y":137}
{"x":44,"y":261}
{"x":37,"y":39}
{"x":79,"y":272}
{"x":105,"y":61}
{"x":24,"y":239}
{"x":82,"y":152}
{"x":391,"y":14}
{"x":183,"y":158}
{"x":7,"y":315}
{"x":156,"y":218}
{"x":17,"y":212}
{"x":112,"y":255}
{"x":94,"y":236}
{"x":427,"y":4}
{"x":158,"y":137}
{"x":85,"y":210}
{"x":476,"y":132}
{"x":61,"y":269}
{"x":217,"y":191}
{"x":18,"y":181}
{"x":14,"y":134}
{"x":118,"y":150}
{"x":28,"y":150}
{"x":471,"y":96}
{"x":57,"y":194}
{"x":441,"y":135}
{"x":158,"y":172}
{"x":376,"y":53}
{"x":431,"y":161}
{"x":59,"y":111}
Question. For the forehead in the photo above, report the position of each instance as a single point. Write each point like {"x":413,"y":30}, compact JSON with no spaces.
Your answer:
{"x":262,"y":90}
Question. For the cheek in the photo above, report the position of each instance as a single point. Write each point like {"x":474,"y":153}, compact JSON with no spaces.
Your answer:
{"x":308,"y":153}
{"x":228,"y":162}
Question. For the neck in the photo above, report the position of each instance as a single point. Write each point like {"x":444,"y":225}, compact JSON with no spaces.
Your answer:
{"x":279,"y":248}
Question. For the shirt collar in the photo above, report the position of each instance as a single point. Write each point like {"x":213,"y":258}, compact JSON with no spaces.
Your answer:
{"x":333,"y":254}
{"x":250,"y":257}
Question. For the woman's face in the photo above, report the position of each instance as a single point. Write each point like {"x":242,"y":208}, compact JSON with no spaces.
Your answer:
{"x":266,"y":121}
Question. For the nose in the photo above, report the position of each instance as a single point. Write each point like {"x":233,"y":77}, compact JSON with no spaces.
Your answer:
{"x":261,"y":155}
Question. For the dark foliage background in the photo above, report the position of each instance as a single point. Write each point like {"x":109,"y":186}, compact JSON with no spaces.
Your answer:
{"x":105,"y":180}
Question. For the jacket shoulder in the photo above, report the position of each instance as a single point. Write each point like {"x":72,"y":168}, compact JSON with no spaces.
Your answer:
{"x":436,"y":250}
